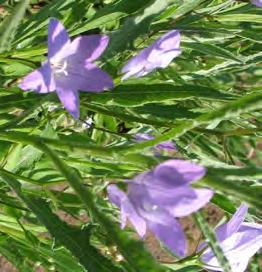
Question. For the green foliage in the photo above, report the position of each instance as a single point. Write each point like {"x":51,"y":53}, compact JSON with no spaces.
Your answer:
{"x":54,"y":171}
{"x":10,"y":24}
{"x":211,"y":241}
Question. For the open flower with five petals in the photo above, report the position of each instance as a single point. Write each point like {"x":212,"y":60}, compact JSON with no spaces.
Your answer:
{"x":69,"y":67}
{"x":155,"y":198}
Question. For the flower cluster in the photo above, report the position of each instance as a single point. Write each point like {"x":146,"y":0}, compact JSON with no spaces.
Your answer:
{"x":154,"y":199}
{"x":69,"y":67}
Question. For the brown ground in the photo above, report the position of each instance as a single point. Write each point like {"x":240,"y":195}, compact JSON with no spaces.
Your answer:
{"x":5,"y":266}
{"x":214,"y":215}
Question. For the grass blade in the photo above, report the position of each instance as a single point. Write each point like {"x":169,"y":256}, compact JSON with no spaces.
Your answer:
{"x":210,"y":236}
{"x":10,"y":25}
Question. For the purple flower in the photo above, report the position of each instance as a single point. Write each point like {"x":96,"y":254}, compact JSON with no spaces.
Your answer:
{"x":159,"y":54}
{"x":69,"y":67}
{"x":257,"y":3}
{"x":238,"y":240}
{"x":156,"y":197}
{"x":168,"y":145}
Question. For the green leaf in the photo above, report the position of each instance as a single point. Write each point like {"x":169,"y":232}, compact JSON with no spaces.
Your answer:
{"x":223,"y":202}
{"x":212,"y":50}
{"x":60,"y":144}
{"x":30,"y":155}
{"x":10,"y":24}
{"x":166,"y":112}
{"x":234,"y":173}
{"x":211,"y":240}
{"x":252,"y":35}
{"x":135,"y":26}
{"x":190,"y":268}
{"x":139,"y":94}
{"x":119,"y":113}
{"x":74,"y":239}
{"x":40,"y":20}
{"x":177,"y":10}
{"x":13,"y":255}
{"x":245,"y":104}
{"x":44,"y":253}
{"x":132,"y":250}
{"x":255,"y":18}
{"x":249,"y":194}
{"x":13,"y":156}
{"x":112,"y":12}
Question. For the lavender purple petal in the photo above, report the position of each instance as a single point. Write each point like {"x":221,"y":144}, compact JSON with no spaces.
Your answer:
{"x":157,"y":55}
{"x":69,"y":98}
{"x":171,"y":235}
{"x":168,"y":145}
{"x":58,"y":40}
{"x":178,"y":172}
{"x":232,"y":226}
{"x":89,"y":47}
{"x":41,"y":80}
{"x":257,"y":3}
{"x":238,"y":240}
{"x":120,"y":199}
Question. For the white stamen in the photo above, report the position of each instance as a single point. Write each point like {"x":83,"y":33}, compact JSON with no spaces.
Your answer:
{"x":59,"y":66}
{"x":154,"y":207}
{"x":148,"y":207}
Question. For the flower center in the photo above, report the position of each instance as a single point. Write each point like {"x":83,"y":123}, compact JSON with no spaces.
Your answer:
{"x":149,"y":207}
{"x":59,"y":66}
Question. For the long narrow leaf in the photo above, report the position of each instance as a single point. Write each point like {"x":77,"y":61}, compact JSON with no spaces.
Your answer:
{"x":9,"y":26}
{"x":210,"y":236}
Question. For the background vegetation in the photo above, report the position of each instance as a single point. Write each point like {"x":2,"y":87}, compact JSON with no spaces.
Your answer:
{"x":54,"y":211}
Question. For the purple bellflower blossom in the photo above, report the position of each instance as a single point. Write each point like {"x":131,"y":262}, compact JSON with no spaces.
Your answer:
{"x":157,"y":55}
{"x":156,"y":197}
{"x":69,"y":67}
{"x":239,"y":241}
{"x":257,"y":3}
{"x":168,"y":145}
